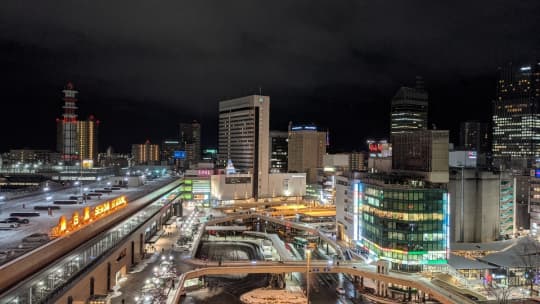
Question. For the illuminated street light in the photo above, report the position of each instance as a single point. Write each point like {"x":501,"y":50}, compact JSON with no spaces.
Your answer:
{"x":308,"y":254}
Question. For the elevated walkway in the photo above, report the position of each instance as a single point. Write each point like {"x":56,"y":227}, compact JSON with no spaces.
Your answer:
{"x":412,"y":280}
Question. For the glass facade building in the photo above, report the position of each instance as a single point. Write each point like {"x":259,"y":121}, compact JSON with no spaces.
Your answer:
{"x":409,"y":110}
{"x":407,"y":225}
{"x":516,"y":114}
{"x":279,"y":145}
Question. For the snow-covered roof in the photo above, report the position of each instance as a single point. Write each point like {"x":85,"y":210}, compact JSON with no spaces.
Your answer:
{"x":524,"y":253}
{"x":491,"y":246}
{"x":459,"y":262}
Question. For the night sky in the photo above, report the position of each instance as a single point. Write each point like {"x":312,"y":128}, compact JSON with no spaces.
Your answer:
{"x":144,"y":66}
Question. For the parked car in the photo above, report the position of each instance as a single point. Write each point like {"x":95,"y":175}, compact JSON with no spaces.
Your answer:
{"x":36,"y":237}
{"x":184,"y":248}
{"x":17,"y":220}
{"x":6,"y":225}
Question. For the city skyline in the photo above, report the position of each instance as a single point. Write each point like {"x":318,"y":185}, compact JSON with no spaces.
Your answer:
{"x":337,"y":66}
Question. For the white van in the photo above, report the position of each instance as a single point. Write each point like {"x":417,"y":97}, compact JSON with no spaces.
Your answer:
{"x":6,"y":225}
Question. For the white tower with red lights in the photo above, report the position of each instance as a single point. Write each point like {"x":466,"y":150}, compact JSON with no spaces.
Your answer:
{"x":67,"y":127}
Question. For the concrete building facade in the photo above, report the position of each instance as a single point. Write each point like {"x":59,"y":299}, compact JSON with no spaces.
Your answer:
{"x":423,"y":152}
{"x":307,"y":147}
{"x":244,"y":126}
{"x":482,"y":205}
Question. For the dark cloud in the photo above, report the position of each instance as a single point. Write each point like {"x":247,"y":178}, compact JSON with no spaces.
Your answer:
{"x":143,"y":66}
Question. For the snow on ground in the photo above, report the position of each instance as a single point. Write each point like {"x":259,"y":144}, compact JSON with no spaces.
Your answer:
{"x":12,"y":238}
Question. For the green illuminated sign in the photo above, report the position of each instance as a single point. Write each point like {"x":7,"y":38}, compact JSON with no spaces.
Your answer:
{"x":436,"y":262}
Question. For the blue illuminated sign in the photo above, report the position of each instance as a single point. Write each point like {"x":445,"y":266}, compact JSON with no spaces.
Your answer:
{"x":537,"y":173}
{"x":179,"y":155}
{"x":304,"y":127}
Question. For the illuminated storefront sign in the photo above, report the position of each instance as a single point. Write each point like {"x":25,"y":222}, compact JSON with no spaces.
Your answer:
{"x":64,"y":226}
{"x":109,"y":206}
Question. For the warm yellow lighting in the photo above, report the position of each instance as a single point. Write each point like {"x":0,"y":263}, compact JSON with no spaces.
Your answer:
{"x":88,"y":216}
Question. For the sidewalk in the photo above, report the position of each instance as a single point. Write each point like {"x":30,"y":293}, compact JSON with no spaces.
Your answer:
{"x":131,"y":286}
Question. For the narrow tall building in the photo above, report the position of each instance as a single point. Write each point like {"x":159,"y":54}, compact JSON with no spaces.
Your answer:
{"x":87,"y":139}
{"x":409,"y":109}
{"x":307,"y":147}
{"x":244,"y":126}
{"x":474,"y":135}
{"x":66,"y":127}
{"x":279,"y":145}
{"x":516,"y":115}
{"x":190,"y":141}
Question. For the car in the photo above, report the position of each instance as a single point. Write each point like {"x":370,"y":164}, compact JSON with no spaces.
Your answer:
{"x":17,"y":220}
{"x":184,"y":248}
{"x":6,"y":225}
{"x":340,"y":290}
{"x":36,"y":237}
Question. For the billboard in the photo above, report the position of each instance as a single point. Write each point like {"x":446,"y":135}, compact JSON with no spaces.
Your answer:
{"x":179,"y":155}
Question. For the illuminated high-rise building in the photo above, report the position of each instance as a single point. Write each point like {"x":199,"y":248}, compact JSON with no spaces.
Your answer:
{"x":244,"y":126}
{"x":145,"y":154}
{"x":190,"y":141}
{"x":66,"y":127}
{"x":279,"y":144}
{"x":87,"y":140}
{"x":307,"y":147}
{"x":474,"y":136}
{"x":409,"y":109}
{"x":516,"y":115}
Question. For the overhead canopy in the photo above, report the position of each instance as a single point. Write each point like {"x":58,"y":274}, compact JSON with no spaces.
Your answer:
{"x":459,"y":262}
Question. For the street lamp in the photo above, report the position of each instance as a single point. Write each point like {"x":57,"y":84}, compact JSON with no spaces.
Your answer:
{"x":308,"y":255}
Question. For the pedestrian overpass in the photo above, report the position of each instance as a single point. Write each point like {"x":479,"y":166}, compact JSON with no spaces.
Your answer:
{"x":423,"y":285}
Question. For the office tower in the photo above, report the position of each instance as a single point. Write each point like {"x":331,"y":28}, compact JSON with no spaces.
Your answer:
{"x":66,"y":127}
{"x":307,"y":147}
{"x":516,"y":116}
{"x":422,"y":152}
{"x":403,"y":220}
{"x":145,"y":154}
{"x":474,"y":136}
{"x":190,"y":141}
{"x":171,"y":151}
{"x":409,"y":109}
{"x":357,"y":161}
{"x":87,"y":140}
{"x":279,"y":145}
{"x":244,"y":125}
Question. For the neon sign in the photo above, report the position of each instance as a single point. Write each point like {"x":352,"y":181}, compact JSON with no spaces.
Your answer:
{"x":64,"y":226}
{"x":108,"y":206}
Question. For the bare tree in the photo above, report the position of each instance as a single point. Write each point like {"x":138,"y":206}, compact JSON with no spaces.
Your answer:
{"x":530,"y":258}
{"x":500,"y":292}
